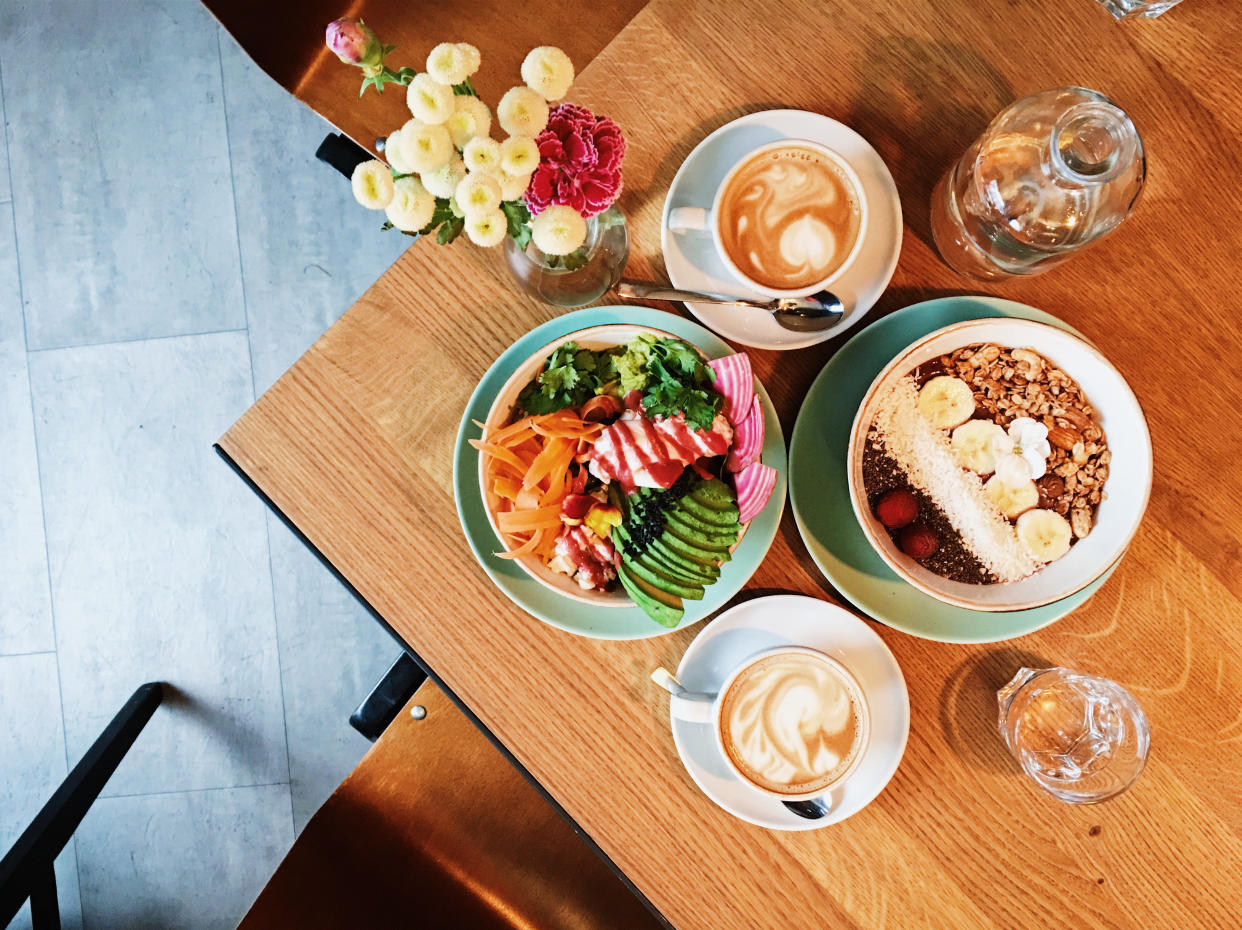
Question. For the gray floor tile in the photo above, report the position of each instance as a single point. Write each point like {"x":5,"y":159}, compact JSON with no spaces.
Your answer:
{"x":124,"y":201}
{"x":25,"y":608}
{"x":308,"y":250}
{"x":193,"y":860}
{"x":331,"y":653}
{"x":32,"y":765}
{"x":5,"y":192}
{"x":159,"y":558}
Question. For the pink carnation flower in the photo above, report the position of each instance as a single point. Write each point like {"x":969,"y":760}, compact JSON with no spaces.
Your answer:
{"x":353,"y":42}
{"x":579,"y":162}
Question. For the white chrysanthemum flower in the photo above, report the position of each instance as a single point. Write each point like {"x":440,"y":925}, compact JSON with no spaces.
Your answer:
{"x":372,"y":184}
{"x":477,"y":193}
{"x":412,"y":205}
{"x":448,"y":64}
{"x":424,"y":147}
{"x":395,"y":154}
{"x":519,"y":155}
{"x":558,"y":230}
{"x":513,"y":186}
{"x":548,"y":71}
{"x":471,"y":56}
{"x":482,"y":154}
{"x":471,"y":118}
{"x":522,"y":112}
{"x":487,"y":229}
{"x":444,"y":180}
{"x":429,"y":100}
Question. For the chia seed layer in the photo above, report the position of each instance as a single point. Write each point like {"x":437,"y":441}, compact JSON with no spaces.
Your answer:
{"x":952,"y":559}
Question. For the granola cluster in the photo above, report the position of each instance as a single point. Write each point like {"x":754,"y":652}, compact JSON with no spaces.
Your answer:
{"x":1011,"y":383}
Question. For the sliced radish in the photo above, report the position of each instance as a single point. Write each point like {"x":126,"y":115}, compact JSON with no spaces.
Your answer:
{"x":735,"y":382}
{"x":754,"y":486}
{"x":747,"y":439}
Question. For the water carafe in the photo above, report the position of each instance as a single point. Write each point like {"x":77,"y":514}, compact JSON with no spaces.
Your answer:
{"x":1052,"y":173}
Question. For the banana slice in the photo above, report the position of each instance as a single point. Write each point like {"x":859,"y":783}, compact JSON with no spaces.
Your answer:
{"x":973,"y":442}
{"x":946,"y":401}
{"x":1012,"y":500}
{"x":1045,"y":533}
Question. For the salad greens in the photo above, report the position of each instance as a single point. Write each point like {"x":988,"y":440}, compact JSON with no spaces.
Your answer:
{"x":671,"y":375}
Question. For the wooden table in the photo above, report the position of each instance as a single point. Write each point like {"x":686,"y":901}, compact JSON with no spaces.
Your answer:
{"x":354,"y":445}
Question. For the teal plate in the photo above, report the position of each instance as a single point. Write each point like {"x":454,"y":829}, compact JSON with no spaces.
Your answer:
{"x":533,"y":597}
{"x":819,"y":488}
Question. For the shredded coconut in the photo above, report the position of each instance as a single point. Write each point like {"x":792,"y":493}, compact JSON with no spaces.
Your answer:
{"x":925,"y":455}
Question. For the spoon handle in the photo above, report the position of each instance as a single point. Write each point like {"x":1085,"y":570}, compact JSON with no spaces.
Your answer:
{"x":634,"y":290}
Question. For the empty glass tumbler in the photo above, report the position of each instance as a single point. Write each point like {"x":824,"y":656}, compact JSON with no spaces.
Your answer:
{"x":1052,"y":173}
{"x":1129,"y":9}
{"x":1079,"y":737}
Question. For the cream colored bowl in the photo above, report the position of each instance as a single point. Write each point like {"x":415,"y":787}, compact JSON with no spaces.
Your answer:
{"x":501,"y":413}
{"x":1126,"y":491}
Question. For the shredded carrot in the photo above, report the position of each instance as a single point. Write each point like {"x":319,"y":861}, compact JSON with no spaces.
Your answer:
{"x":516,"y":521}
{"x":530,"y":467}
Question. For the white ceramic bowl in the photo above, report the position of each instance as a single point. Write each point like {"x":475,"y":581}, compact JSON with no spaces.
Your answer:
{"x":1126,"y":491}
{"x":501,"y":413}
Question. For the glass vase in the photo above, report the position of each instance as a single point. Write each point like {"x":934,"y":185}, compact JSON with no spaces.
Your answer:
{"x":581,"y":277}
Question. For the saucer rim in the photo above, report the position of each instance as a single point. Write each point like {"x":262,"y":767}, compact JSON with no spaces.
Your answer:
{"x":828,"y":136}
{"x":794,"y":823}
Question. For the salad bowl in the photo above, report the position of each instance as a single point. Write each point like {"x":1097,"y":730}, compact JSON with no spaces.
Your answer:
{"x":620,"y":466}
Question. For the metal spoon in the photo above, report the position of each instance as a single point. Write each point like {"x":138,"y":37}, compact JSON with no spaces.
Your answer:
{"x":814,"y":313}
{"x":812,"y":809}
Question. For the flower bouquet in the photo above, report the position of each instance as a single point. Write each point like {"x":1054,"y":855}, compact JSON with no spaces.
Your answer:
{"x":558,"y":166}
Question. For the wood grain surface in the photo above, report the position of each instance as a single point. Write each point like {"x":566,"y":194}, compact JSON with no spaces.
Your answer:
{"x":355,"y":445}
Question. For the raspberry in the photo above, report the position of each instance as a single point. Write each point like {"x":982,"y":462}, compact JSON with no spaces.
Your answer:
{"x":919,"y":541}
{"x":897,"y":508}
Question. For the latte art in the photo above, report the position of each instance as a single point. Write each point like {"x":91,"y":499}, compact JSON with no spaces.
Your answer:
{"x":790,"y":723}
{"x":789,"y":217}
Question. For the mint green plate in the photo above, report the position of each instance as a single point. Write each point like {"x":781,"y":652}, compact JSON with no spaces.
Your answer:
{"x":820,"y":496}
{"x":533,"y":597}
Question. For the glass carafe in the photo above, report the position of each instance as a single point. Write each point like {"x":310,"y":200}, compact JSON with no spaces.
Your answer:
{"x":1052,"y":173}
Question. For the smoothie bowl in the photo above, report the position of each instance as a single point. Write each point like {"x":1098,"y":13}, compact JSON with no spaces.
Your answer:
{"x":1000,"y":464}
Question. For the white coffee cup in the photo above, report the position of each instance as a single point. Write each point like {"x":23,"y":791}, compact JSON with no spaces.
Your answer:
{"x":706,"y":219}
{"x":707,"y":708}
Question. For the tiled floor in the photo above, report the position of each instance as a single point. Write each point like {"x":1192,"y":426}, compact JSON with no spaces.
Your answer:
{"x":168,"y":246}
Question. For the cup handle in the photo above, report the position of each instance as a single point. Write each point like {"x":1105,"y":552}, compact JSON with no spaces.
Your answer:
{"x":692,"y":710}
{"x":683,"y":219}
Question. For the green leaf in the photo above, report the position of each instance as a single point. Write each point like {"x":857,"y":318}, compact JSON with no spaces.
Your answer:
{"x":465,"y":89}
{"x":450,"y":231}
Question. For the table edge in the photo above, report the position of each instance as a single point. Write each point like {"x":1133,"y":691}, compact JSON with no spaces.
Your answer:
{"x":434,"y":676}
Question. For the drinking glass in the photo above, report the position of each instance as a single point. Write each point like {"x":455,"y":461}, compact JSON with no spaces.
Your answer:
{"x":1081,"y":738}
{"x":1130,"y":9}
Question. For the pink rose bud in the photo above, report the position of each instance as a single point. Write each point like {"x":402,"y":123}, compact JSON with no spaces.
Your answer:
{"x":354,"y":43}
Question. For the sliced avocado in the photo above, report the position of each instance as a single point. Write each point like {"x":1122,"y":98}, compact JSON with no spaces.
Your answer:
{"x":689,"y":506}
{"x":685,"y":524}
{"x":677,"y":572}
{"x":664,"y":609}
{"x":693,"y":551}
{"x":662,"y":555}
{"x":715,"y":495}
{"x":663,"y":581}
{"x":706,"y":542}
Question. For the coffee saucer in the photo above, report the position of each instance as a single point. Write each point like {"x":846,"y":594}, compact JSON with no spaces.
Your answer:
{"x":784,"y":620}
{"x":691,"y":258}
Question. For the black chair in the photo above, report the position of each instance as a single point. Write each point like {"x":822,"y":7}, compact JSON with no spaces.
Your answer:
{"x":26,"y":871}
{"x":390,"y":694}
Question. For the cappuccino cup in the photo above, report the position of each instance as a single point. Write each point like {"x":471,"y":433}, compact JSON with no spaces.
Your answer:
{"x":791,"y":722}
{"x":787,"y":220}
